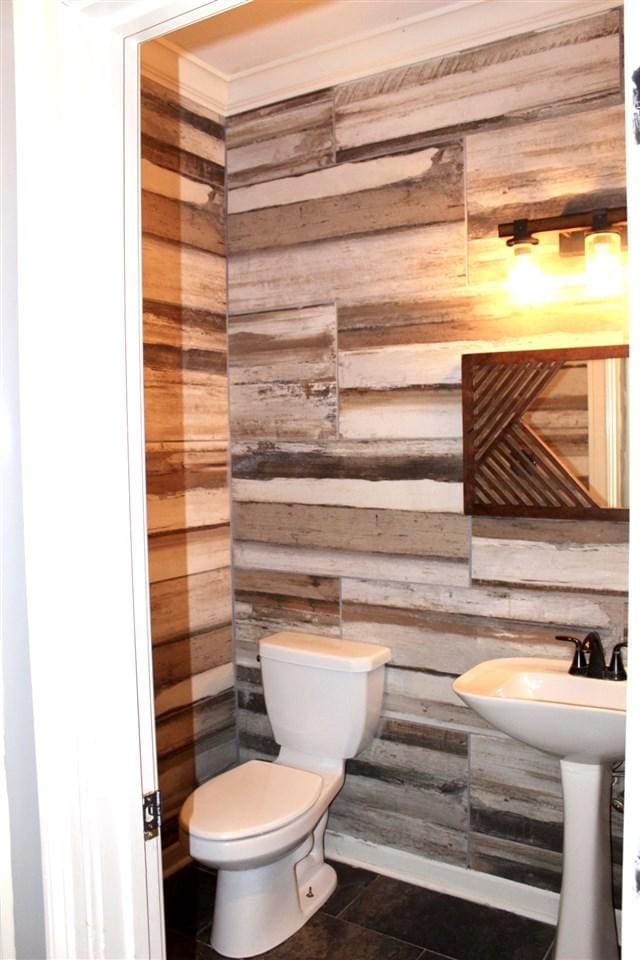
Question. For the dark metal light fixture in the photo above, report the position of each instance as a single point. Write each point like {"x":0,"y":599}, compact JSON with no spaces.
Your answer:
{"x":598,"y":235}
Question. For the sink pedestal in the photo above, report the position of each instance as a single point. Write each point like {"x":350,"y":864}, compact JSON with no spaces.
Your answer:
{"x":586,"y":923}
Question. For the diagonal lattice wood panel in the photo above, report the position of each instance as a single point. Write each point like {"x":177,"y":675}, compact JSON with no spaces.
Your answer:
{"x":512,"y":465}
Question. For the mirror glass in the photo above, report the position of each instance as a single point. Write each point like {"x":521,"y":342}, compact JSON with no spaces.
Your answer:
{"x":545,"y":433}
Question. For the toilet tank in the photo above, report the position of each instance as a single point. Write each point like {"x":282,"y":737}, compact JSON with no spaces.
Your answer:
{"x":323,"y":695}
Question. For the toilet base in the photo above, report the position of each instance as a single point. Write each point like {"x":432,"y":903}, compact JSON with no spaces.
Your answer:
{"x":257,"y":909}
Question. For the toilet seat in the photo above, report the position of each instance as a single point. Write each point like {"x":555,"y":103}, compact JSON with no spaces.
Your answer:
{"x":252,"y":799}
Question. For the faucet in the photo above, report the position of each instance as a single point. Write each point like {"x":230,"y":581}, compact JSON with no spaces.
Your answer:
{"x":593,"y":645}
{"x":588,"y":659}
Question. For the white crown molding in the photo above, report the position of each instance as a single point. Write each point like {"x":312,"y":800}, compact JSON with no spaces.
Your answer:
{"x":460,"y":26}
{"x":175,"y":68}
{"x":434,"y":36}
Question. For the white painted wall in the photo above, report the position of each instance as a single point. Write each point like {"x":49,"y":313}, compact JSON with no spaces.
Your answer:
{"x":21,"y":901}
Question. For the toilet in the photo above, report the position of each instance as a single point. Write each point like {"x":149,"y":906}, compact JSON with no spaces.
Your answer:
{"x":262,"y":824}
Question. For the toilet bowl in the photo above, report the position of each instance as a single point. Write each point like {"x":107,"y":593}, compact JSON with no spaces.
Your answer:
{"x":261,"y":824}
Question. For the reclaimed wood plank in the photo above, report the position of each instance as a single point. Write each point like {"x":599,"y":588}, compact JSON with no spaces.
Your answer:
{"x":429,"y":412}
{"x":186,"y":485}
{"x":185,"y":373}
{"x":551,"y":531}
{"x":188,"y":661}
{"x":350,"y":270}
{"x":174,"y":185}
{"x":280,"y":139}
{"x":283,"y":374}
{"x":174,"y":119}
{"x":348,"y":563}
{"x":178,"y":728}
{"x":444,"y":644}
{"x":176,"y":274}
{"x":395,"y":815}
{"x":401,"y":475}
{"x":507,"y":777}
{"x":559,"y":70}
{"x":572,"y":611}
{"x":190,"y":605}
{"x":186,"y":223}
{"x":468,"y":314}
{"x":418,"y":188}
{"x":599,"y":567}
{"x":436,"y":535}
{"x":181,"y":553}
{"x":268,"y":601}
{"x":208,"y":683}
{"x":565,"y":554}
{"x":520,"y":862}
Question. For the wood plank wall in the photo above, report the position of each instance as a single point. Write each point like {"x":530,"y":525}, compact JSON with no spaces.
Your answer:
{"x":363,"y":262}
{"x":186,"y":421}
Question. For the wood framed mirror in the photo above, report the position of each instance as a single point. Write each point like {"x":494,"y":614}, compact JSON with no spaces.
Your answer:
{"x":545,"y":433}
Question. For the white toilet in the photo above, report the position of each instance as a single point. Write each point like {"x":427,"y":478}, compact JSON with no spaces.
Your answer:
{"x":262,"y":824}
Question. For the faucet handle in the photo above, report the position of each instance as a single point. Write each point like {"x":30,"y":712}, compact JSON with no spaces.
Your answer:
{"x":616,"y":669}
{"x":579,"y":664}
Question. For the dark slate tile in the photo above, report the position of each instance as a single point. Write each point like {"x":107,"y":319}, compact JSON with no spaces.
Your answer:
{"x":182,"y":947}
{"x":329,"y":938}
{"x":188,"y":899}
{"x":447,"y":925}
{"x":352,"y":882}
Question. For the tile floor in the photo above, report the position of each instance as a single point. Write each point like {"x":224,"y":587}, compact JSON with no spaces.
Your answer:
{"x":369,"y":917}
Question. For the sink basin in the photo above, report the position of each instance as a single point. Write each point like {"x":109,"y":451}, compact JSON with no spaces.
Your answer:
{"x":537,"y":701}
{"x":581,"y":721}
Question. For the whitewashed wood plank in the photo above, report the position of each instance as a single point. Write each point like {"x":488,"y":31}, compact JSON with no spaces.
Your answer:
{"x":411,"y":364}
{"x":405,"y":413}
{"x":280,"y":139}
{"x":284,"y":345}
{"x":403,"y":532}
{"x":395,"y":263}
{"x":284,"y":411}
{"x":337,"y":181}
{"x":507,"y":603}
{"x":445,"y":644}
{"x":430,"y":495}
{"x":328,"y":563}
{"x":558,"y":68}
{"x":598,"y":566}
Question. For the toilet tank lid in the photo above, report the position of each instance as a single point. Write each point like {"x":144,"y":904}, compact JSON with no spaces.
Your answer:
{"x":325,"y":653}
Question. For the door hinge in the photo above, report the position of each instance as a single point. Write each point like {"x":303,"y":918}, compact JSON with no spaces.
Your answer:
{"x":151,"y":814}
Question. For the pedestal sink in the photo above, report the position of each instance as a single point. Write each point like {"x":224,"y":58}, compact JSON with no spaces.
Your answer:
{"x":581,"y":721}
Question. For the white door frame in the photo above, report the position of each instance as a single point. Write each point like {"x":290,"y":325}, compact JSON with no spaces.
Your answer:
{"x":82,"y":442}
{"x":83,"y":470}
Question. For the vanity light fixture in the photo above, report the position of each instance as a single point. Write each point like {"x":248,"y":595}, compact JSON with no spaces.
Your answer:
{"x":525,"y":281}
{"x":596,"y":235}
{"x":603,"y":266}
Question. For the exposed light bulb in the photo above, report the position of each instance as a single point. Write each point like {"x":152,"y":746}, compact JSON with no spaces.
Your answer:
{"x":526,"y":282}
{"x":603,"y":265}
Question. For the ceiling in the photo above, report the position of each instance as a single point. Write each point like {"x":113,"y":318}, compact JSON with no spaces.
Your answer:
{"x":264,"y":51}
{"x":249,"y":37}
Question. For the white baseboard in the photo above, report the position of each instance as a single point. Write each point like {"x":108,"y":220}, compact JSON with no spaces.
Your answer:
{"x":444,"y":877}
